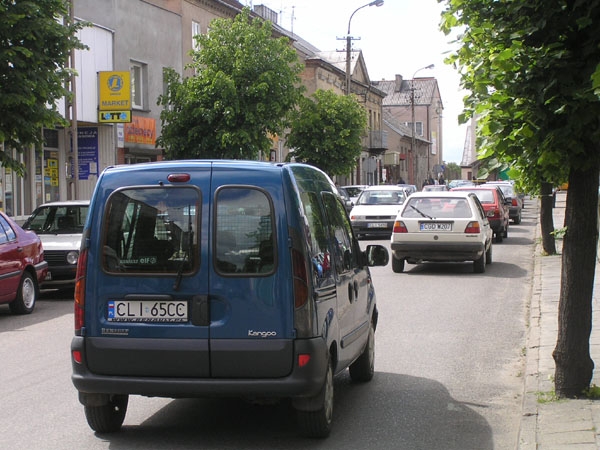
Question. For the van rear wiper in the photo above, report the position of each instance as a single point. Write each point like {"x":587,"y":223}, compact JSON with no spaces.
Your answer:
{"x":186,"y":253}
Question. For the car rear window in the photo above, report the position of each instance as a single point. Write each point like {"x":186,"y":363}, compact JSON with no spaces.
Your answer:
{"x":437,"y":208}
{"x":151,"y":230}
{"x":244,"y":244}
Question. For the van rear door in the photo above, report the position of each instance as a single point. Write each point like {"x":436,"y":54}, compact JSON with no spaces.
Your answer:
{"x":147,"y":308}
{"x":251,"y":298}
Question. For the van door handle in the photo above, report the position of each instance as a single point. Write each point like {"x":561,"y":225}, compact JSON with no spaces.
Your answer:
{"x":200,"y":311}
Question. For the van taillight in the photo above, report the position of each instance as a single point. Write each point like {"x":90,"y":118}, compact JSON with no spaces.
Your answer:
{"x":473,"y":228}
{"x":79,"y":304}
{"x":399,"y":227}
{"x":300,"y":279}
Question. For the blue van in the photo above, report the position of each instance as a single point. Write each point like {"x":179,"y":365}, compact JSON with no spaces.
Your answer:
{"x":220,"y":278}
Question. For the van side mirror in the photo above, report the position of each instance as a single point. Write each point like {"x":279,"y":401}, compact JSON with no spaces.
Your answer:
{"x":377,"y":255}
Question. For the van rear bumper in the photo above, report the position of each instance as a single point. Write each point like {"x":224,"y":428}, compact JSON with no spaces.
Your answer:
{"x":301,"y":382}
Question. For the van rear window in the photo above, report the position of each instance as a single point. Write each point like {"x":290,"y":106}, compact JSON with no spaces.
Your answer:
{"x":151,"y":230}
{"x":244,"y":242}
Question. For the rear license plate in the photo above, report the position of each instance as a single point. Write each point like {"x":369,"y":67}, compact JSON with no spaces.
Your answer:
{"x":377,"y":225}
{"x":147,"y":311}
{"x":436,"y":226}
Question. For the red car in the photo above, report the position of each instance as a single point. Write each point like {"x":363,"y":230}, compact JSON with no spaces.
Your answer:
{"x":495,"y":205}
{"x":22,"y":266}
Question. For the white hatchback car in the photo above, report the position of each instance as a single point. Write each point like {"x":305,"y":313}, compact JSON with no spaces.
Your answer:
{"x":59,"y":226}
{"x":375,"y":210}
{"x":444,"y":227}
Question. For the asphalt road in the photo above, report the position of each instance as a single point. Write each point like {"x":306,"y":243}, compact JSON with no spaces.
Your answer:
{"x":449,"y":373}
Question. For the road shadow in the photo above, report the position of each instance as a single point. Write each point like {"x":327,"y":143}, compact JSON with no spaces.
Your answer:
{"x":49,"y":305}
{"x":498,"y":269}
{"x":393,"y":411}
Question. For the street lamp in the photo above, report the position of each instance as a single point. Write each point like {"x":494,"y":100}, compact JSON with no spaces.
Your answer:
{"x":349,"y":43}
{"x":414,"y":127}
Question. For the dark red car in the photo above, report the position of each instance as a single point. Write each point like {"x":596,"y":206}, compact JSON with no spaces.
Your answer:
{"x":22,"y":266}
{"x":495,"y":205}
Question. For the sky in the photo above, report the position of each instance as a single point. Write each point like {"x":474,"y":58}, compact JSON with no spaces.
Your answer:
{"x":399,"y":37}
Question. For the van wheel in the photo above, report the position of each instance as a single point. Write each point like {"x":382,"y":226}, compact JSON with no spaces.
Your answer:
{"x":317,"y":424}
{"x":479,"y":264}
{"x":107,"y":418}
{"x":363,"y":368}
{"x":26,"y":296}
{"x":397,"y":265}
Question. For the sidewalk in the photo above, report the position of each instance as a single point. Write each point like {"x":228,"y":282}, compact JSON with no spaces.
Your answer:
{"x":555,"y":424}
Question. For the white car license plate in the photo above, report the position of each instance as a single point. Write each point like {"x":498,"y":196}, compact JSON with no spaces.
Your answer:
{"x":377,"y":225}
{"x":436,"y":226}
{"x":147,"y":311}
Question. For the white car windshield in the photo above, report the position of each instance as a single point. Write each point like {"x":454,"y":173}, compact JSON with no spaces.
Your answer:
{"x":383,"y":197}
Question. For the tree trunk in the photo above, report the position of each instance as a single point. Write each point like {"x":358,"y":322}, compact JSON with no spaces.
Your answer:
{"x":574,"y":366}
{"x":546,"y":219}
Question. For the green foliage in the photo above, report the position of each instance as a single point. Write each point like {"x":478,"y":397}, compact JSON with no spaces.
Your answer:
{"x":34,"y":50}
{"x":326,"y":131}
{"x":244,"y":87}
{"x":532,"y":69}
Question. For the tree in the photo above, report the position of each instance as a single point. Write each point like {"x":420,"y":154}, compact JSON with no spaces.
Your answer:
{"x":529,"y":66}
{"x":34,"y":51}
{"x":245,"y":85}
{"x":326,"y":131}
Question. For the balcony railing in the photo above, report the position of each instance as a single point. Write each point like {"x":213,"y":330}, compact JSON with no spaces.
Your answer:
{"x":376,"y":141}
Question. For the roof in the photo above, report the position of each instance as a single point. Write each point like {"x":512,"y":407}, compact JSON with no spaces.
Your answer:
{"x":424,"y":89}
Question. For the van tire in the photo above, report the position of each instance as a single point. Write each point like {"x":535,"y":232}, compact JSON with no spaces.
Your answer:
{"x":317,"y":424}
{"x":26,"y":296}
{"x":363,"y":368}
{"x":107,"y":418}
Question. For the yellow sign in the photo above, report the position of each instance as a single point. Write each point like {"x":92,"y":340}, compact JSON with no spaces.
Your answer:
{"x":115,"y":91}
{"x":114,"y":116}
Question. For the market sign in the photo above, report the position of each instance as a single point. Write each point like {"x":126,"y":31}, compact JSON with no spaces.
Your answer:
{"x":115,"y":97}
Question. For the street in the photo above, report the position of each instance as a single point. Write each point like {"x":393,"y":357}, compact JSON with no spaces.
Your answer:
{"x":449,"y":372}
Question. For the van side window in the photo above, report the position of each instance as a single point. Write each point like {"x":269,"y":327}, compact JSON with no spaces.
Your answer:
{"x":345,"y":255}
{"x":151,"y":230}
{"x":244,"y":238}
{"x":317,"y":237}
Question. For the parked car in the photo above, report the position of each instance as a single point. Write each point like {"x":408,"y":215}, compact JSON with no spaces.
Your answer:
{"x":346,"y":199}
{"x":495,"y":205}
{"x":59,"y":225}
{"x":434,"y":188}
{"x":443,"y":227}
{"x":22,"y":266}
{"x":409,"y":187}
{"x":516,"y":201}
{"x":354,"y":191}
{"x":376,"y":209}
{"x":221,"y":278}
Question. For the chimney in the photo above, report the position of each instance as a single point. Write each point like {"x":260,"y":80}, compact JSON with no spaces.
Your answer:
{"x":398,"y":84}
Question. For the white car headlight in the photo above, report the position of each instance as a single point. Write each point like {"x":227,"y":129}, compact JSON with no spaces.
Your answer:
{"x":72,"y":257}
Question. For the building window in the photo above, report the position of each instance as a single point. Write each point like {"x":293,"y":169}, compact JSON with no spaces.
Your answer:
{"x":139,"y":74}
{"x":418,"y":127}
{"x":195,"y":31}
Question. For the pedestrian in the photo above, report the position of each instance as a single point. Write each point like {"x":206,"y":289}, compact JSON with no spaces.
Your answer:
{"x":401,"y":181}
